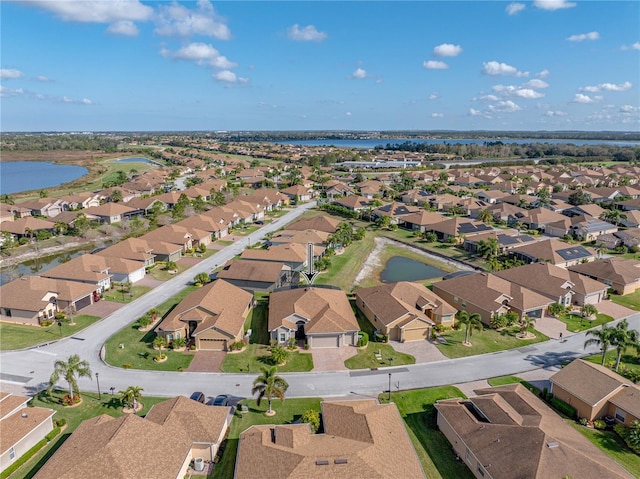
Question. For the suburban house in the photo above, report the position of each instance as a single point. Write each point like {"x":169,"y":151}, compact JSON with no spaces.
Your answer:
{"x":631,"y":219}
{"x":319,"y":223}
{"x":299,"y":193}
{"x":416,"y":196}
{"x":292,"y":254}
{"x":33,"y":299}
{"x":321,"y":316}
{"x":353,"y":202}
{"x":457,"y":228}
{"x":134,"y":249}
{"x":595,"y":392}
{"x":318,"y":238}
{"x":49,"y":207}
{"x":21,"y":427}
{"x":335,"y":189}
{"x":554,"y":251}
{"x":421,"y":220}
{"x":361,"y":438}
{"x":211,"y":317}
{"x":27,"y":226}
{"x":6,"y":213}
{"x":507,"y":240}
{"x":121,"y":270}
{"x":111,"y":212}
{"x":263,"y":276}
{"x":404,"y":311}
{"x":395,"y":211}
{"x":87,"y":268}
{"x":160,"y":445}
{"x":489,"y":296}
{"x":507,"y":432}
{"x":562,"y":286}
{"x":172,"y":234}
{"x":620,"y":274}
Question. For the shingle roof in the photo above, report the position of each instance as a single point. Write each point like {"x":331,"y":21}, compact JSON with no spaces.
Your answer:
{"x":318,"y":223}
{"x":261,"y":271}
{"x":15,"y":427}
{"x":619,"y":270}
{"x":32,"y":293}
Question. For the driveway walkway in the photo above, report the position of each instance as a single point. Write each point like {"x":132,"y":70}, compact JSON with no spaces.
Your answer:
{"x":552,"y":327}
{"x":206,"y":362}
{"x":423,"y":351}
{"x":614,"y":310}
{"x":332,"y":359}
{"x":102,"y":309}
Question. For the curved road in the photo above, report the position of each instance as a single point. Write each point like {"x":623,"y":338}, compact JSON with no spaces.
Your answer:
{"x":31,"y":368}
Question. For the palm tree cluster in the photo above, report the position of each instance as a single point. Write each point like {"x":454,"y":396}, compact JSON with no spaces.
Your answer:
{"x":619,"y":336}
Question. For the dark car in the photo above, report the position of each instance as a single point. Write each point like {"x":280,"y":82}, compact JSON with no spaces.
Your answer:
{"x":221,"y":400}
{"x":198,"y":396}
{"x":259,"y":222}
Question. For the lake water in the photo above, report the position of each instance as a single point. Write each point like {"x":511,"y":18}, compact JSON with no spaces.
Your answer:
{"x":38,"y":265}
{"x":372,"y":143}
{"x":134,"y":160}
{"x":400,"y":268}
{"x":17,"y":176}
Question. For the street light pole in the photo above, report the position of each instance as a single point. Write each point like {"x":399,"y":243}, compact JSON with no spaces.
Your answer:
{"x":98,"y":381}
{"x":389,"y":386}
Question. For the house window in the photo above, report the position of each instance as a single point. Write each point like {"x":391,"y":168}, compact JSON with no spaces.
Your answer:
{"x":169,"y":337}
{"x":455,"y":299}
{"x":283,"y":337}
{"x":620,"y":415}
{"x":480,"y":470}
{"x":467,"y":455}
{"x":12,"y":454}
{"x":464,"y":303}
{"x":178,"y":335}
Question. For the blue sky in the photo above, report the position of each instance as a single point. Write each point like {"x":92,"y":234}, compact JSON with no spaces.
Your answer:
{"x":129,"y":65}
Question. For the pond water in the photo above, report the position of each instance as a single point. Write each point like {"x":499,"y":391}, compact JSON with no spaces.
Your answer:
{"x":16,"y":176}
{"x":38,"y":265}
{"x":400,"y":268}
{"x":134,"y":160}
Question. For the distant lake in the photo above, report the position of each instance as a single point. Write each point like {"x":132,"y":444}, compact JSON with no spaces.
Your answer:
{"x":372,"y":143}
{"x":400,"y":268}
{"x":134,"y":160}
{"x":16,"y":176}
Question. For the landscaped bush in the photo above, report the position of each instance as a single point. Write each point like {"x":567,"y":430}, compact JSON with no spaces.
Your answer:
{"x":363,"y":339}
{"x":599,"y":424}
{"x":46,"y":323}
{"x":52,"y":434}
{"x":60,"y":422}
{"x":563,"y":407}
{"x":630,"y":435}
{"x":178,"y":343}
{"x":498,"y":322}
{"x":381,"y":338}
{"x":236,"y":346}
{"x":311,"y":417}
{"x":22,"y":459}
{"x":68,"y":400}
{"x":583,"y":421}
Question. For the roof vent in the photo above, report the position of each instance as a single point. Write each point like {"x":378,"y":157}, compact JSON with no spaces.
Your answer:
{"x":340,"y":461}
{"x":322,"y":463}
{"x":553,"y":444}
{"x":25,"y":415}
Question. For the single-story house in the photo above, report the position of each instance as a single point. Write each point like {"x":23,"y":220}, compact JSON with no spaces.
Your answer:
{"x":161,"y":445}
{"x":211,"y":317}
{"x":554,"y":251}
{"x":457,"y":228}
{"x":27,"y":226}
{"x":353,"y":202}
{"x":507,"y":240}
{"x":111,"y":212}
{"x":299,"y":192}
{"x":404,"y":311}
{"x":21,"y":427}
{"x":489,"y":296}
{"x":263,"y":276}
{"x":293,"y":254}
{"x":134,"y":249}
{"x":318,"y":238}
{"x":507,"y":432}
{"x":595,"y":392}
{"x":631,"y":219}
{"x":172,"y":235}
{"x":421,"y":220}
{"x":324,"y":223}
{"x":321,"y":316}
{"x":620,"y":274}
{"x":87,"y":268}
{"x":361,"y":438}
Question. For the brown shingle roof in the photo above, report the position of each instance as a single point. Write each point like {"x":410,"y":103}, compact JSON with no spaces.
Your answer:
{"x":620,"y":270}
{"x":32,"y":293}
{"x":261,"y":271}
{"x":15,"y":427}
{"x":317,"y":223}
{"x":86,"y":267}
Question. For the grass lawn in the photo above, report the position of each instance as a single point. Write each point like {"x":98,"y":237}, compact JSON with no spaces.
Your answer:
{"x":257,"y":356}
{"x":502,"y":380}
{"x":287,"y":412}
{"x":117,"y":296}
{"x":485,"y":341}
{"x":631,"y":300}
{"x":433,"y":448}
{"x":366,"y":359}
{"x":90,"y":407}
{"x":345,"y":267}
{"x":18,"y":336}
{"x":225,"y":242}
{"x":613,"y":446}
{"x":161,"y":274}
{"x":577,"y":323}
{"x":629,"y":359}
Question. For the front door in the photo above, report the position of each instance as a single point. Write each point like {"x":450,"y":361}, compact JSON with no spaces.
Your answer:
{"x":300,"y":331}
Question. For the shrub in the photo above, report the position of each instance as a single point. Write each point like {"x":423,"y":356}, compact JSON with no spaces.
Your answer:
{"x":599,"y":424}
{"x":46,"y":323}
{"x":381,"y":338}
{"x":60,"y":422}
{"x":363,"y":339}
{"x":144,"y":321}
{"x":307,"y":346}
{"x":630,"y":434}
{"x":24,"y":458}
{"x":292,"y":343}
{"x":192,"y":347}
{"x":563,"y":407}
{"x":311,"y":417}
{"x":583,"y":421}
{"x":60,"y":315}
{"x":279,"y":355}
{"x":498,"y":322}
{"x":69,"y":401}
{"x":178,"y":343}
{"x":236,"y":346}
{"x":52,"y":434}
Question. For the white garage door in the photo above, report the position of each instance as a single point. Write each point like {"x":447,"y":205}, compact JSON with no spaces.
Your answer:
{"x":325,"y":341}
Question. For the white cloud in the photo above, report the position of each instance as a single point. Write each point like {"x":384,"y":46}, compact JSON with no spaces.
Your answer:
{"x":435,"y":65}
{"x":178,"y":20}
{"x":123,"y":27}
{"x":437,"y":115}
{"x":536,"y":84}
{"x":96,"y":11}
{"x":227,"y":76}
{"x":202,"y":54}
{"x":474,"y":112}
{"x":515,"y":91}
{"x":633,"y":46}
{"x":543,"y":74}
{"x":10,"y":73}
{"x":489,"y":98}
{"x":494,"y":68}
{"x":43,"y":78}
{"x":359,"y":73}
{"x":66,"y":99}
{"x":607,"y":87}
{"x":514,"y":8}
{"x":86,"y":101}
{"x":629,"y":108}
{"x":6,"y":91}
{"x":553,"y":4}
{"x":584,"y":36}
{"x":447,"y":50}
{"x":434,"y":96}
{"x":505,"y":107}
{"x":348,"y":113}
{"x":580,"y":98}
{"x":551,"y":113}
{"x":305,"y":34}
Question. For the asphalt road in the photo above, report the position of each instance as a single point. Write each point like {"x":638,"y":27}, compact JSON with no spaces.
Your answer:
{"x":31,"y":368}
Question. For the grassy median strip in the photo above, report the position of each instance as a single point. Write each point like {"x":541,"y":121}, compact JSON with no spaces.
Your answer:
{"x":18,"y":336}
{"x":257,"y":356}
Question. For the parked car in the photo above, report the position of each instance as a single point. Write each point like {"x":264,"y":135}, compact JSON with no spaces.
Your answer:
{"x":198,"y":396}
{"x":221,"y":400}
{"x":259,"y":222}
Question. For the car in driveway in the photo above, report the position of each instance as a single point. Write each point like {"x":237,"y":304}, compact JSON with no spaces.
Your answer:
{"x":221,"y":400}
{"x":197,"y":396}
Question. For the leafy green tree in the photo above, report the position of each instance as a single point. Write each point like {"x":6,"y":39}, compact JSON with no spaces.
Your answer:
{"x":69,"y":370}
{"x":129,"y":395}
{"x":589,"y":310}
{"x":116,"y":196}
{"x":7,"y":200}
{"x":217,"y":198}
{"x":269,"y":385}
{"x":601,"y":337}
{"x":311,"y":417}
{"x":486,"y":216}
{"x":544,"y":197}
{"x":202,"y":278}
{"x":614,"y":216}
{"x":579,"y":197}
{"x":160,"y":343}
{"x":81,"y":225}
{"x":489,"y":248}
{"x":556,"y":309}
{"x":471,"y":322}
{"x":199,"y":205}
{"x":429,"y":236}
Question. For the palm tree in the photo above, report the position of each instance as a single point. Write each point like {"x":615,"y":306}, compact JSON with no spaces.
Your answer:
{"x":602,"y":337}
{"x":471,"y":322}
{"x":489,"y":248}
{"x":589,"y":310}
{"x":614,"y":216}
{"x":269,"y":385}
{"x":525,"y":323}
{"x":159,"y":342}
{"x":130,"y":395}
{"x":68,"y":370}
{"x":622,"y":338}
{"x":486,"y":216}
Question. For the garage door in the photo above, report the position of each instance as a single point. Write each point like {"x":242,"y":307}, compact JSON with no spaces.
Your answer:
{"x":83,"y":303}
{"x":325,"y":342}
{"x":416,"y":334}
{"x":212,"y":344}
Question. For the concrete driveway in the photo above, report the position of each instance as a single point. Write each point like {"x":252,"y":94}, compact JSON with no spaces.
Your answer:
{"x":616,"y":311}
{"x":332,"y":359}
{"x":424,"y":351}
{"x":206,"y":361}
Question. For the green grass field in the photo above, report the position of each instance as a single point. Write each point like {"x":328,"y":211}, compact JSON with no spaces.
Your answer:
{"x":18,"y":336}
{"x":576,"y":323}
{"x":485,"y":341}
{"x":613,"y":446}
{"x":502,"y":380}
{"x":631,"y":300}
{"x":114,"y":294}
{"x":346,"y":266}
{"x":257,"y":356}
{"x":366,"y":358}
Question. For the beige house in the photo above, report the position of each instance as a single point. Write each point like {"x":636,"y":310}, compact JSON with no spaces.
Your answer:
{"x":361,"y":439}
{"x":160,"y":446}
{"x":595,"y":392}
{"x":87,"y":268}
{"x":212,"y":317}
{"x":110,"y":212}
{"x":506,"y":432}
{"x":321,"y":316}
{"x":554,"y":251}
{"x":21,"y":427}
{"x":620,"y":274}
{"x":404,"y":311}
{"x":324,"y":223}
